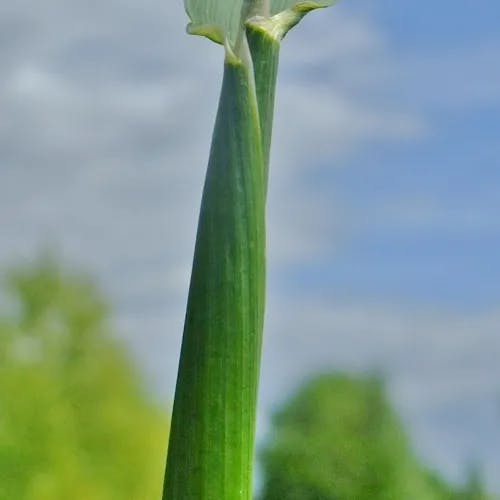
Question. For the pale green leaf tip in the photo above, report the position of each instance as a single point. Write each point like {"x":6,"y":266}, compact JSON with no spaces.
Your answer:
{"x":215,"y":34}
{"x":307,"y":6}
{"x":211,"y":32}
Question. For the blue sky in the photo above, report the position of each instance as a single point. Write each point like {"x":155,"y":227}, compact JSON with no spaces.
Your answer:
{"x":447,"y":24}
{"x":446,"y":251}
{"x":383,"y":206}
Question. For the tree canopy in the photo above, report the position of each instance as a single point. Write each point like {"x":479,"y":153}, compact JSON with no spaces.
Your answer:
{"x":75,"y":420}
{"x":338,"y":438}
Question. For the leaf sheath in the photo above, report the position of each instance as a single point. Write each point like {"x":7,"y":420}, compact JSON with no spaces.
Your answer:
{"x":264,"y":51}
{"x":211,"y":445}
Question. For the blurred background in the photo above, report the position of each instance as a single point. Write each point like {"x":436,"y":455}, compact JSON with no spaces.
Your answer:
{"x":381,"y":371}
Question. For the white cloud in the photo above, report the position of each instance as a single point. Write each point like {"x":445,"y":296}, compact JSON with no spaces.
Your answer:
{"x":321,"y":109}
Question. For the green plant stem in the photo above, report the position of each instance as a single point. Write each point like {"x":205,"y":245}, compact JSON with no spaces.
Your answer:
{"x":265,"y":51}
{"x":211,"y":449}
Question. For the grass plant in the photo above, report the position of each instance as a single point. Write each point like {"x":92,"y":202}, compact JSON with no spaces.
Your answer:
{"x":211,"y":448}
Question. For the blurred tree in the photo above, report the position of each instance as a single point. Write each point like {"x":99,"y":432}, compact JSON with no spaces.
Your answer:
{"x":474,"y":488}
{"x":75,"y":421}
{"x":339,"y":439}
{"x":442,"y":489}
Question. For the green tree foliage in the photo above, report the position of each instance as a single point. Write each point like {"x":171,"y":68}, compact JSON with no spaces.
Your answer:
{"x":474,"y":488}
{"x":75,"y":421}
{"x":338,"y":438}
